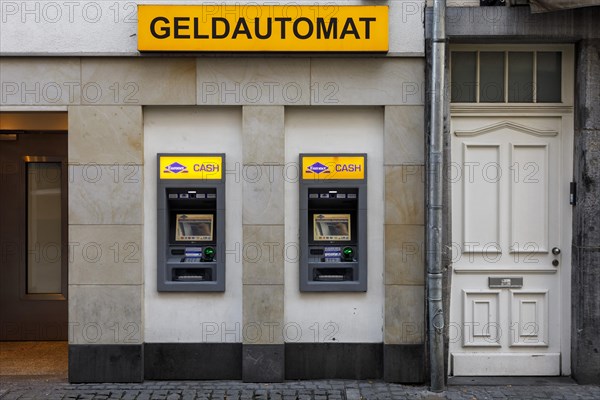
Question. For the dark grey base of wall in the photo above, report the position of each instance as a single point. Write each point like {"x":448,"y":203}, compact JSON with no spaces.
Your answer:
{"x":105,"y":363}
{"x":250,"y":363}
{"x":404,"y":363}
{"x":263,"y":363}
{"x":333,"y":360}
{"x":191,"y":361}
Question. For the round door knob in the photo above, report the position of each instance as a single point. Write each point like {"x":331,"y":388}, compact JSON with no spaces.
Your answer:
{"x":555,"y":251}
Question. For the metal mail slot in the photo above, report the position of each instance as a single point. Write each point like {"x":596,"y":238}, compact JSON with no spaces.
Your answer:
{"x":505,"y":282}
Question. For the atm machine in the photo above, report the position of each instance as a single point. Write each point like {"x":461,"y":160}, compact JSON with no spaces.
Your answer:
{"x":333,"y":223}
{"x":191,"y":223}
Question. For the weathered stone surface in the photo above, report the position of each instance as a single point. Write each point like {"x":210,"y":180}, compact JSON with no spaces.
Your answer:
{"x":138,"y":81}
{"x":404,"y":314}
{"x":263,"y":135}
{"x":368,"y":81}
{"x":263,"y":194}
{"x":585,"y":346}
{"x":262,"y":255}
{"x":404,"y":195}
{"x":263,"y":363}
{"x":404,"y":255}
{"x":105,"y":135}
{"x":588,"y":85}
{"x":586,"y":219}
{"x":40,"y":81}
{"x":469,"y":22}
{"x":253,"y":81}
{"x":105,"y":194}
{"x":585,"y":324}
{"x":404,"y":135}
{"x":105,"y":254}
{"x":263,"y":314}
{"x":105,"y":314}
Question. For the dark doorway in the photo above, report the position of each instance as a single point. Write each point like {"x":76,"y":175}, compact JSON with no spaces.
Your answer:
{"x":33,"y":235}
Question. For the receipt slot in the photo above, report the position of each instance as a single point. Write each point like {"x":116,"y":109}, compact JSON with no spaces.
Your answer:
{"x":333,"y":223}
{"x":191,"y":223}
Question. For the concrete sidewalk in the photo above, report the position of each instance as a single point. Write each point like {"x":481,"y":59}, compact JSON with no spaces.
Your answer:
{"x":55,"y":388}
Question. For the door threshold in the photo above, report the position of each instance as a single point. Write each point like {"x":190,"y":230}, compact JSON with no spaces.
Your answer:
{"x":510,"y":380}
{"x":58,"y":378}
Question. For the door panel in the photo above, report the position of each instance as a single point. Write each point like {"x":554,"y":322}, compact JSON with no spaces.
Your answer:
{"x":507,"y":189}
{"x":481,"y":313}
{"x":529,"y":318}
{"x":33,"y":231}
{"x":529,"y":197}
{"x":481,"y":199}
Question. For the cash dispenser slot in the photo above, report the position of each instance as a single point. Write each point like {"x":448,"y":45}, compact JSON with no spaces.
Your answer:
{"x":192,"y":274}
{"x":191,"y":223}
{"x":333,"y":274}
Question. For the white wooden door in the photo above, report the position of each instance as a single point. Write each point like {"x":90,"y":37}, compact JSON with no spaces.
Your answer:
{"x":510,"y":209}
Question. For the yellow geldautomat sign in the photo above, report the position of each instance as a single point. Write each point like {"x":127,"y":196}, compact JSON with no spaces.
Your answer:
{"x":254,"y":28}
{"x":333,"y":167}
{"x":191,"y":167}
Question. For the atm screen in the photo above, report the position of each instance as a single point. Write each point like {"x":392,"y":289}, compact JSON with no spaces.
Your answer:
{"x":194,"y":227}
{"x":334,"y":227}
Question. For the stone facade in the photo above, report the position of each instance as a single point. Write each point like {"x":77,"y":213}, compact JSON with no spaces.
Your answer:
{"x":106,"y":142}
{"x":107,"y":99}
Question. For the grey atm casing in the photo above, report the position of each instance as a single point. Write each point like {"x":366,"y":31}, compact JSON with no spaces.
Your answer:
{"x":309,"y":267}
{"x":166,"y":261}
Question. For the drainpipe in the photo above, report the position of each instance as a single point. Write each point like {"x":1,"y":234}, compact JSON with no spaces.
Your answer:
{"x":435,"y":159}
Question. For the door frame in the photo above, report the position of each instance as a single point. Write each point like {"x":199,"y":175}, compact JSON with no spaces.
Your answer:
{"x":39,"y":153}
{"x":563,"y":110}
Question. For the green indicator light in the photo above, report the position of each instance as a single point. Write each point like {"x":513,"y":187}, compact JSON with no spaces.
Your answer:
{"x":348,"y":252}
{"x":209,"y":251}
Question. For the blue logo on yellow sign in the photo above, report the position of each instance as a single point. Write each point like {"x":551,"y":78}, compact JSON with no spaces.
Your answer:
{"x":317,"y":168}
{"x":334,"y":167}
{"x":191,"y":167}
{"x":175,"y":168}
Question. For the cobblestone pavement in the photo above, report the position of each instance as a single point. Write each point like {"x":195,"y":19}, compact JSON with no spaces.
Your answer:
{"x":301,"y":390}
